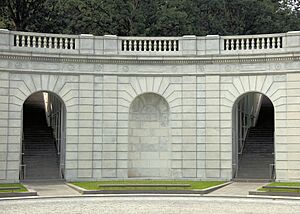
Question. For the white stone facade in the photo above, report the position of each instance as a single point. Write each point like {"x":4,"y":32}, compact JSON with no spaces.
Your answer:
{"x":194,"y":82}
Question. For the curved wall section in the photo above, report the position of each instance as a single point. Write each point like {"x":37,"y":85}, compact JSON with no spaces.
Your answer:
{"x":119,"y":92}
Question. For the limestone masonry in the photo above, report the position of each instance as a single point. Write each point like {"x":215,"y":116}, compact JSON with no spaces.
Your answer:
{"x":145,"y":107}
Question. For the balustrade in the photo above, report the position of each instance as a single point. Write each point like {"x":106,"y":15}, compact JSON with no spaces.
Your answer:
{"x":185,"y":45}
{"x":40,"y":41}
{"x":150,"y":45}
{"x":253,"y":43}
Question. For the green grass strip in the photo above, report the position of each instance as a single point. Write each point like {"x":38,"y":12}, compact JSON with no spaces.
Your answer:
{"x":199,"y":185}
{"x":23,"y":189}
{"x":288,"y":184}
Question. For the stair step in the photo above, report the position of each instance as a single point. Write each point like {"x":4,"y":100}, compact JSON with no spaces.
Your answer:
{"x":40,"y":154}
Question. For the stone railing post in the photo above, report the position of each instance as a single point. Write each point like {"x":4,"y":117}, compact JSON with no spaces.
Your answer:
{"x":212,"y":44}
{"x":4,"y":39}
{"x":189,"y":45}
{"x":292,"y":40}
{"x":86,"y":44}
{"x":110,"y":44}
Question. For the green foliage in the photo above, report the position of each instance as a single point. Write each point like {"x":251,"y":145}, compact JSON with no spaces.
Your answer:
{"x":151,"y":17}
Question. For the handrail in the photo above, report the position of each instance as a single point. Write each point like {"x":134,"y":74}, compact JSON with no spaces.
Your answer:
{"x":272,"y":171}
{"x":235,"y":167}
{"x":61,"y":174}
{"x":23,"y":171}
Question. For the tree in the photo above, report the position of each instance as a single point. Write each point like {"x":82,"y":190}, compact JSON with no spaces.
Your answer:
{"x":20,"y":12}
{"x":151,"y":17}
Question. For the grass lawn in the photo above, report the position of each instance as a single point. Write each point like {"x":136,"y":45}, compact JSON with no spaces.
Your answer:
{"x":23,"y":189}
{"x":289,"y":184}
{"x":194,"y":184}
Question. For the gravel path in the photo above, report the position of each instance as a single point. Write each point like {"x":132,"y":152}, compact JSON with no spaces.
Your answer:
{"x":180,"y":205}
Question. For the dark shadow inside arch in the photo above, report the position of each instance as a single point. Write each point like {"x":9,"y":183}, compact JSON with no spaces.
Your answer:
{"x":253,"y":137}
{"x":43,"y":137}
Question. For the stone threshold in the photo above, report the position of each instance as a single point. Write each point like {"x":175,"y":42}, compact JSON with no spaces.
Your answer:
{"x":195,"y":191}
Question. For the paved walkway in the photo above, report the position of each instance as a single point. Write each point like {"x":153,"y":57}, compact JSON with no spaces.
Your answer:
{"x":237,"y":189}
{"x":149,"y":205}
{"x":51,"y":188}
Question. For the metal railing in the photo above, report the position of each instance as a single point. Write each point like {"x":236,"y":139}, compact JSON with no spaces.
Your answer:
{"x":22,"y":171}
{"x":61,"y":171}
{"x":272,"y":171}
{"x":235,"y":170}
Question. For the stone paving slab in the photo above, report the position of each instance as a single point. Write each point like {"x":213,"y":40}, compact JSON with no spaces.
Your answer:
{"x":237,"y":189}
{"x":51,"y":188}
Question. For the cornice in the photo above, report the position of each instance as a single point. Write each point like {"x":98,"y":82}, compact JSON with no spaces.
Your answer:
{"x":167,"y":60}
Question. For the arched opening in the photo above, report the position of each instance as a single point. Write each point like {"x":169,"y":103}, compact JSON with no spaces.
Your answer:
{"x":253,"y":137}
{"x":43,"y":137}
{"x":149,"y":149}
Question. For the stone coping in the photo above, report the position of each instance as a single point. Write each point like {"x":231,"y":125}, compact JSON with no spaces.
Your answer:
{"x":288,"y":194}
{"x":195,"y":191}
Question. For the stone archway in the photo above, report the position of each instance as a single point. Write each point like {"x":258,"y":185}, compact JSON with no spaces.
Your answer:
{"x":43,"y":137}
{"x":253,"y":137}
{"x":149,"y":152}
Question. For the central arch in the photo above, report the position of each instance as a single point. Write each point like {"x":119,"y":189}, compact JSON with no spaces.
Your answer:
{"x":149,"y":152}
{"x":43,"y":137}
{"x":253,"y":137}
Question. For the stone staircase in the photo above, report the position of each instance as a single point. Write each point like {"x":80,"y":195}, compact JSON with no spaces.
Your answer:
{"x":40,"y":153}
{"x":258,"y":151}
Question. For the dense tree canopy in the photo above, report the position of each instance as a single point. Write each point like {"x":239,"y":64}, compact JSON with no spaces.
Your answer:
{"x":151,"y":17}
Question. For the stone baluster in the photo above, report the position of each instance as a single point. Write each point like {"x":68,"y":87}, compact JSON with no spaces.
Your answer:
{"x":55,"y":43}
{"x":34,"y":41}
{"x":45,"y":41}
{"x":130,"y":45}
{"x":124,"y":45}
{"x":247,"y":44}
{"x":268,"y":43}
{"x":65,"y":43}
{"x":134,"y":45}
{"x":50,"y":42}
{"x":263,"y":43}
{"x":232,"y":44}
{"x":226,"y":44}
{"x":145,"y":45}
{"x":17,"y":40}
{"x":242,"y":44}
{"x":273,"y":42}
{"x":71,"y":43}
{"x":60,"y":43}
{"x":140,"y":45}
{"x":23,"y":41}
{"x":160,"y":46}
{"x":39,"y":42}
{"x":155,"y":45}
{"x":150,"y":45}
{"x":167,"y":45}
{"x":175,"y":45}
{"x":252,"y":43}
{"x":278,"y":42}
